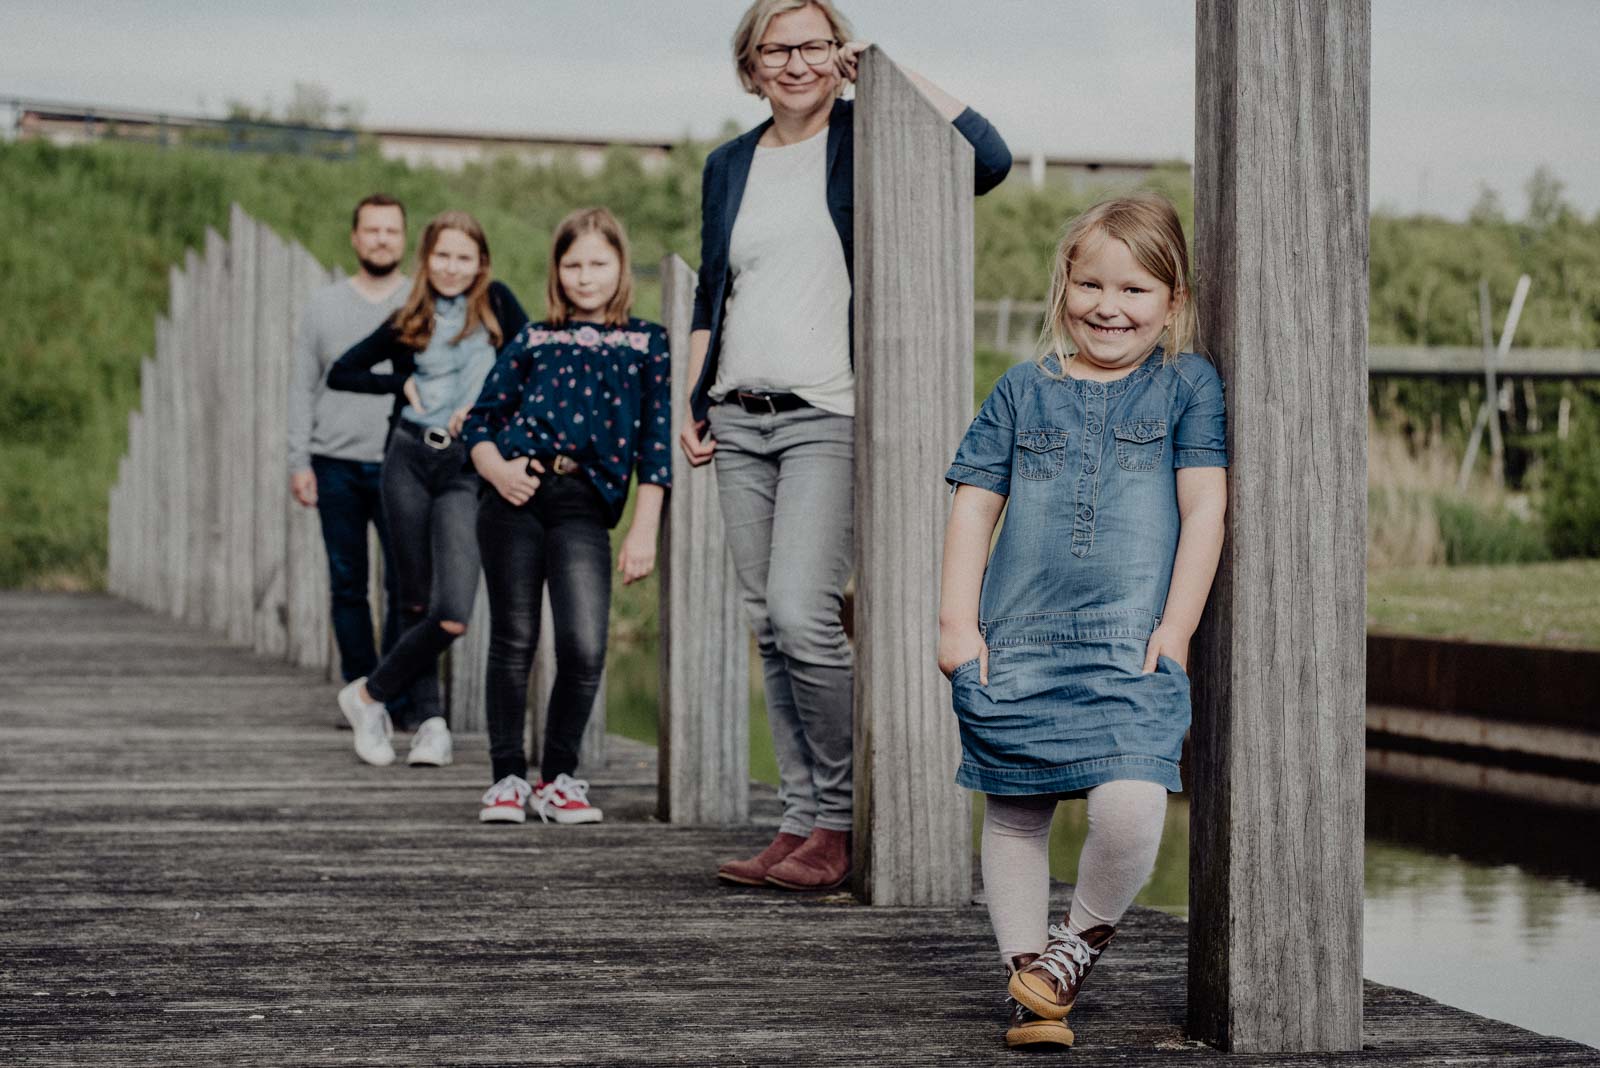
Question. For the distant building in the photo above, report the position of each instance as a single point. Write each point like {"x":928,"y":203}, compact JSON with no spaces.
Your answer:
{"x":76,"y":124}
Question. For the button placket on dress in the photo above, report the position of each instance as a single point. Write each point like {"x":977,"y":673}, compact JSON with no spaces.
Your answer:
{"x":1088,"y":488}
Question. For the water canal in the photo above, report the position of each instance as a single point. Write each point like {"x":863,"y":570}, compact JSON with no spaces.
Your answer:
{"x":1481,"y":897}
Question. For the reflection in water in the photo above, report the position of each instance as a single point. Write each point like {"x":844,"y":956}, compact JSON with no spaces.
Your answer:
{"x":1487,"y":901}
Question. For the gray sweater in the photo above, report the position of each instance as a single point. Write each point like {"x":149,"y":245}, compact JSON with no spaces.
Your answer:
{"x":346,"y":426}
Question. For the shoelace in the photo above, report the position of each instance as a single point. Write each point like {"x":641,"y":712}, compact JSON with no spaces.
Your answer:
{"x":509,"y":788}
{"x":567,"y":788}
{"x":1067,"y":957}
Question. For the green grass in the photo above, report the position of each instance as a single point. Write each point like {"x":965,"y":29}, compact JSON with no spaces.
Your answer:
{"x":1533,"y":604}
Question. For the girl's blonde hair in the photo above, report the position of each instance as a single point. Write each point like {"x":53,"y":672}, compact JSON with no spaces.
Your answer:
{"x":1148,"y":224}
{"x":753,"y":27}
{"x":559,"y":309}
{"x":414,"y":320}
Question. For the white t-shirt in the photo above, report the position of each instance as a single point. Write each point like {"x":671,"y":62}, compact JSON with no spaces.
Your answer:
{"x":787,"y":325}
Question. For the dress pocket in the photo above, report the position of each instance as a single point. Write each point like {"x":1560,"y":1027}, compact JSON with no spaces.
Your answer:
{"x":1140,"y":444}
{"x":1041,"y":452}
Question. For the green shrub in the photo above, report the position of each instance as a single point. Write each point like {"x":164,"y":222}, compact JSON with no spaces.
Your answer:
{"x":1570,"y":503}
{"x":1474,"y":535}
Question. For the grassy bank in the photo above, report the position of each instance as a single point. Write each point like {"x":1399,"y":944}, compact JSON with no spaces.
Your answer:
{"x":1531,"y":604}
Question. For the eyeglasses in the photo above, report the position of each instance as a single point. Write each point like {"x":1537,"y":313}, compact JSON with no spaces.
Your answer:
{"x":814,"y":53}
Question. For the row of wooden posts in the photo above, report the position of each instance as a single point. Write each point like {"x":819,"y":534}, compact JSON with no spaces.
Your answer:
{"x":202,"y":526}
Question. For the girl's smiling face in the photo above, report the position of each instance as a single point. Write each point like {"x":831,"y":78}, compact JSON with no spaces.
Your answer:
{"x":1116,"y":310}
{"x":453,"y":264}
{"x":590,"y":273}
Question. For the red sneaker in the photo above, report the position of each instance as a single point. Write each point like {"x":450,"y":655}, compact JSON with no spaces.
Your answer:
{"x":566,"y":801}
{"x":506,"y":801}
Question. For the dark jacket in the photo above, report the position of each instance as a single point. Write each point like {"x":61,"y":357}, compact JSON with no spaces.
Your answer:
{"x":722,"y":188}
{"x":353,"y":371}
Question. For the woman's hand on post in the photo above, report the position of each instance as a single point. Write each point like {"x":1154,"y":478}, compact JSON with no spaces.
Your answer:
{"x":413,"y":398}
{"x":697,"y":448}
{"x":958,"y":645}
{"x":848,"y":58}
{"x":1168,"y":642}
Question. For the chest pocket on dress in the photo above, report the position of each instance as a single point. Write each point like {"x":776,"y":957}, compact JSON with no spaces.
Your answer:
{"x":1139,"y":444}
{"x":1041,"y":452}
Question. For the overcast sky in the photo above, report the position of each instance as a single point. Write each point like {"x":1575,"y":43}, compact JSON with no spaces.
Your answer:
{"x":1465,"y":93}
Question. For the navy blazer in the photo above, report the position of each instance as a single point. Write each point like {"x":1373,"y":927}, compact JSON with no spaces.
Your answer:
{"x":722,"y":188}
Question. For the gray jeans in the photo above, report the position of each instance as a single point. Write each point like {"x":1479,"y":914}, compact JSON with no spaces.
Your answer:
{"x":786,"y":485}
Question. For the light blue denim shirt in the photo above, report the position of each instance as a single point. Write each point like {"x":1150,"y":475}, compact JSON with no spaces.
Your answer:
{"x":450,"y":373}
{"x":1091,"y":521}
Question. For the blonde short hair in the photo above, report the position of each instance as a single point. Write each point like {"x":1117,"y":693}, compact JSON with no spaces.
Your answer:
{"x":1148,"y":224}
{"x":754,"y":25}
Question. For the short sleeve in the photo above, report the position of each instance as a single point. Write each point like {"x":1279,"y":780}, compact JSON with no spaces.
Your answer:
{"x":1201,"y":436}
{"x":984,"y":458}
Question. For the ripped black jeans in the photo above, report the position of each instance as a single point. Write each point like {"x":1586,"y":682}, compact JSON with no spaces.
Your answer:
{"x":430,"y":500}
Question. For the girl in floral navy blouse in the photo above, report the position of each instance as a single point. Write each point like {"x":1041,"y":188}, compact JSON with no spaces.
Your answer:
{"x":573,"y":406}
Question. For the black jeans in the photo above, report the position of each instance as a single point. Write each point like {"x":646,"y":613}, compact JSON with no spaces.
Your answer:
{"x":559,"y":537}
{"x":430,"y":497}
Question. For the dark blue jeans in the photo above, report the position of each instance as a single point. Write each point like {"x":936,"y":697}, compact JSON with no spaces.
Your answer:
{"x":559,"y":537}
{"x":348,"y":500}
{"x":430,"y":497}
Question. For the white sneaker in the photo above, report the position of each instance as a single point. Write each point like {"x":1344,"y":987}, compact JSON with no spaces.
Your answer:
{"x":431,"y":745}
{"x":506,"y":801}
{"x":566,"y":801}
{"x":369,"y":721}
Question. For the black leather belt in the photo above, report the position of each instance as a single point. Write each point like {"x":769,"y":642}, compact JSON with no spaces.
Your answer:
{"x":765,"y":403}
{"x":434,"y":437}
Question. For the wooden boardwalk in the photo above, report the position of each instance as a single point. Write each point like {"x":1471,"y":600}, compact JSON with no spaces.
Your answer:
{"x":194,"y":870}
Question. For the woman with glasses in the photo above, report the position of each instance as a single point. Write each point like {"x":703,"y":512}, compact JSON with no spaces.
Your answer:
{"x":774,"y":396}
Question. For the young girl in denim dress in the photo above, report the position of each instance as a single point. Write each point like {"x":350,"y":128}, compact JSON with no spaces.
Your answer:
{"x":575,"y":405}
{"x":1067,"y":655}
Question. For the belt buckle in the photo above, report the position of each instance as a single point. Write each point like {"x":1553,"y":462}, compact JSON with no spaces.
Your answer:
{"x":436,"y":437}
{"x":745,"y":398}
{"x":563,"y":465}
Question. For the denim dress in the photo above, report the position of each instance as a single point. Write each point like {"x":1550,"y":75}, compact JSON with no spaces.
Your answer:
{"x":1078,"y":577}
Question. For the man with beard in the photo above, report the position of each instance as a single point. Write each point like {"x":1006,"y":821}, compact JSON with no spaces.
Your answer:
{"x":336,"y":439}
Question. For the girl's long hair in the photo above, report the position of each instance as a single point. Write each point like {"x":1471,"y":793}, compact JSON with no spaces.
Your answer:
{"x":414,"y":319}
{"x":558,"y":309}
{"x":1148,"y":224}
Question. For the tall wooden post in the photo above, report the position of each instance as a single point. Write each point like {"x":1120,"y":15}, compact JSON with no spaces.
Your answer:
{"x":704,"y":719}
{"x":1277,"y":776}
{"x":913,"y":363}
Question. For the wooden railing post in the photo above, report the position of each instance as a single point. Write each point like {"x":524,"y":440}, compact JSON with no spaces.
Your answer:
{"x":913,"y":363}
{"x":1275,"y":887}
{"x":704,"y":724}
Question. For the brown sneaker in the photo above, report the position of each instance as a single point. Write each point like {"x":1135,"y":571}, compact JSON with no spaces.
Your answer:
{"x":1026,"y":1027}
{"x":823,"y":863}
{"x":753,"y":872}
{"x":1049,"y":986}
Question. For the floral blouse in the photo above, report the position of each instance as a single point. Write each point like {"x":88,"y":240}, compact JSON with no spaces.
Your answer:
{"x":599,"y":394}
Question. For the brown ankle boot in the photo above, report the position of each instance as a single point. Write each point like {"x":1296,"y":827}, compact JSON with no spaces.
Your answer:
{"x":1049,"y":985}
{"x":753,"y":872}
{"x":821,"y":864}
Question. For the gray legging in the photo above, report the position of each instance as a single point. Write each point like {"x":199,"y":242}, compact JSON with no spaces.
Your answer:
{"x":430,"y":500}
{"x":786,"y":488}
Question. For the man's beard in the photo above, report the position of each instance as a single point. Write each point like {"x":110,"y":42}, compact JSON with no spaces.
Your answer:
{"x":378,"y":270}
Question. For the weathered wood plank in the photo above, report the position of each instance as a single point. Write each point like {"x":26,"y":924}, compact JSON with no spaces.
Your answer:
{"x":310,"y":638}
{"x":269,"y":589}
{"x":704,"y":720}
{"x":256,"y":896}
{"x":1281,"y":237}
{"x":913,"y":337}
{"x":244,"y":495}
